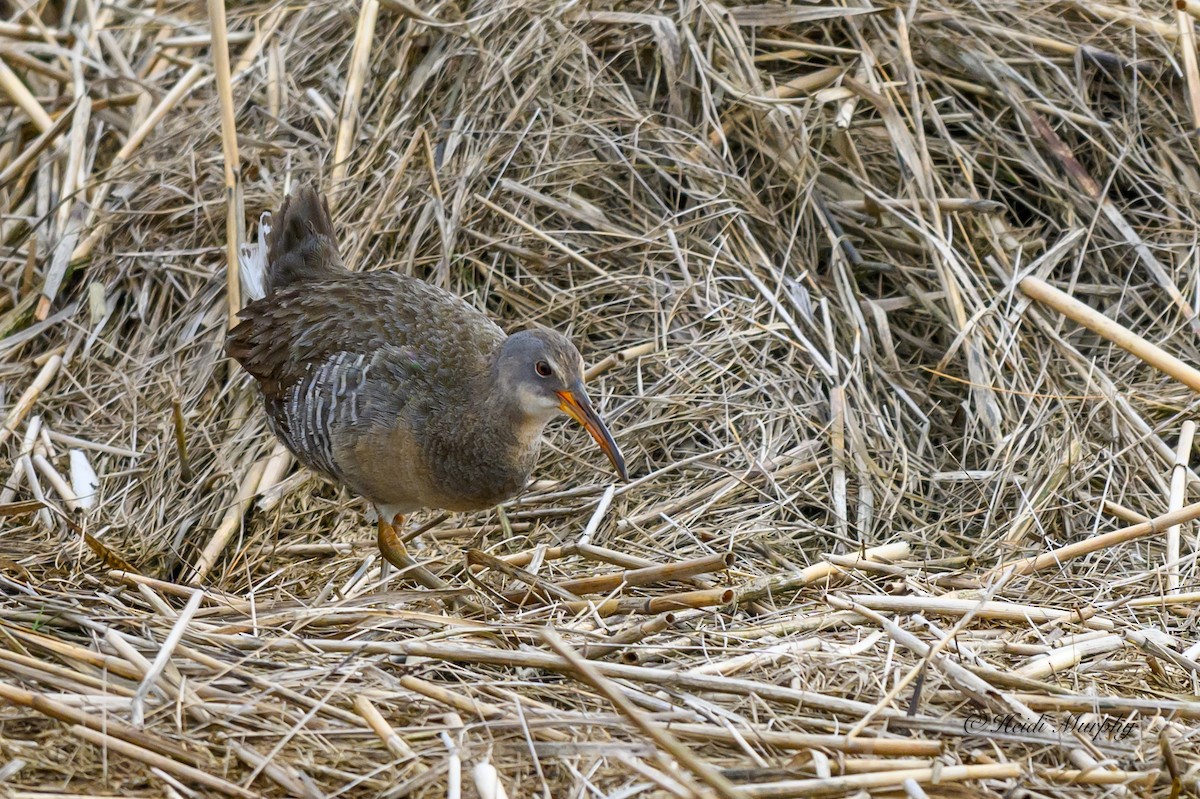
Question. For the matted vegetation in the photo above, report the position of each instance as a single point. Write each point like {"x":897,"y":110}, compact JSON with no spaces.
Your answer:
{"x":816,"y":255}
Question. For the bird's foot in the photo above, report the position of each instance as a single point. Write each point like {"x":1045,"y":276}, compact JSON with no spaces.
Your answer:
{"x":391,"y":546}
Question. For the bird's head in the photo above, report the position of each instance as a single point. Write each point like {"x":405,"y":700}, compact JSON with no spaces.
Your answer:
{"x":540,"y":374}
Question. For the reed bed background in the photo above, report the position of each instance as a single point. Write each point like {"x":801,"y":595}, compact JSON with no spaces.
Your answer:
{"x":901,"y":516}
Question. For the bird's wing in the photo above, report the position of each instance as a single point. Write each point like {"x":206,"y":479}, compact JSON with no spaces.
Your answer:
{"x":345,"y":395}
{"x":295,"y":330}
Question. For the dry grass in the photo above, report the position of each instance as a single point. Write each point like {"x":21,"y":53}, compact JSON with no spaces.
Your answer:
{"x":806,"y":226}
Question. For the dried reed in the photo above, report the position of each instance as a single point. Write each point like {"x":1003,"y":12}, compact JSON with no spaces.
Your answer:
{"x":894,"y":303}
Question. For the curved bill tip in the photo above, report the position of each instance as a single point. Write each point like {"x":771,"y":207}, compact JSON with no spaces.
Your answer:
{"x":577,"y":405}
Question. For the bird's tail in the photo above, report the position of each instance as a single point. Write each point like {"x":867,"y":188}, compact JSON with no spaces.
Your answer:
{"x":295,"y":245}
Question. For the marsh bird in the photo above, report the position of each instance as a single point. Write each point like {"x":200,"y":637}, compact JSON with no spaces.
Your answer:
{"x":398,"y":389}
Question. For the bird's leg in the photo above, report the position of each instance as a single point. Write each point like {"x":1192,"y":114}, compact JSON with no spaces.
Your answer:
{"x":395,"y":553}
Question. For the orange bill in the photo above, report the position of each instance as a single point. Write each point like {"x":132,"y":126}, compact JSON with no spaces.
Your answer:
{"x":575,"y":403}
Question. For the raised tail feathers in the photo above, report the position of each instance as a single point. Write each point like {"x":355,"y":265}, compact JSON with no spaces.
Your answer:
{"x":295,"y":245}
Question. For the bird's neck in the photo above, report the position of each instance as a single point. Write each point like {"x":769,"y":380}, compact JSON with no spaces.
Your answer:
{"x":490,"y":448}
{"x":504,"y":414}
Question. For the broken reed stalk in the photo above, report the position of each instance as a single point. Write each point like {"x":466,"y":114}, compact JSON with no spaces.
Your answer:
{"x":30,"y":396}
{"x":60,"y":262}
{"x":71,"y":209}
{"x":1179,"y":474}
{"x":487,"y":781}
{"x":213,"y":597}
{"x":990,"y":609}
{"x":1072,"y":776}
{"x":184,"y":772}
{"x":84,"y":444}
{"x":1059,"y":557}
{"x":20,"y":94}
{"x":35,"y":148}
{"x":75,"y":653}
{"x":1123,"y":513}
{"x":1064,"y":658}
{"x":229,"y":147}
{"x":56,"y":481}
{"x":832,"y":786}
{"x":855,"y":765}
{"x":391,"y":739}
{"x":651,"y":575}
{"x":1065,"y":703}
{"x":586,"y":671}
{"x":798,"y":741}
{"x":185,"y":466}
{"x":609,"y":361}
{"x":276,"y":469}
{"x":482,"y":710}
{"x":230,"y":522}
{"x":595,"y":650}
{"x":1118,"y":334}
{"x":706,"y":598}
{"x":597,"y":515}
{"x":589,"y":551}
{"x":1123,"y":16}
{"x":680,"y":570}
{"x":163,"y":656}
{"x":73,"y":715}
{"x":26,"y":666}
{"x":544,"y":589}
{"x":25,"y":462}
{"x":763,"y":657}
{"x":822,"y":571}
{"x":460,"y":653}
{"x":1187,"y":49}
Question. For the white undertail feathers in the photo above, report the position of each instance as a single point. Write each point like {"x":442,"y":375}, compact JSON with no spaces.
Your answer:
{"x":252,"y":262}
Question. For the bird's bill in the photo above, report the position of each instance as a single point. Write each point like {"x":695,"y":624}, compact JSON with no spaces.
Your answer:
{"x":577,"y":405}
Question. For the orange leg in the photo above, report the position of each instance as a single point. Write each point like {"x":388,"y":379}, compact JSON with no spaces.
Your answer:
{"x":395,"y":553}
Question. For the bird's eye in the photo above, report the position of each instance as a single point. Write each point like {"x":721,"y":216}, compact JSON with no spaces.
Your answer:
{"x":543,"y":369}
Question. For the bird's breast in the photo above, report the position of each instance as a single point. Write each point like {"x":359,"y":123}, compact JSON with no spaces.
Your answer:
{"x":483,"y":473}
{"x":454,"y":467}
